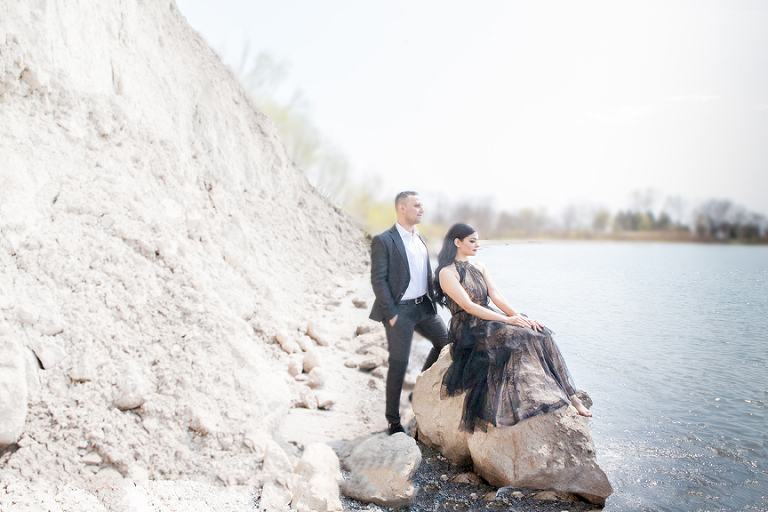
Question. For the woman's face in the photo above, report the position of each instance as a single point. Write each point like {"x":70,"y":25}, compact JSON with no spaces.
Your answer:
{"x":468,"y":246}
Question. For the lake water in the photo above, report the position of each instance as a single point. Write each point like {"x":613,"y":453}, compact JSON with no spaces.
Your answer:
{"x":670,"y":342}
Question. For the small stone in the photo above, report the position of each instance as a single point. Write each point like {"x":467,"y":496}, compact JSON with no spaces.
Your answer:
{"x":92,"y":459}
{"x":306,"y":399}
{"x":306,"y":343}
{"x":360,"y":303}
{"x":490,"y":496}
{"x":257,"y":441}
{"x":473,"y":496}
{"x":27,"y":315}
{"x":311,"y":361}
{"x":317,"y":378}
{"x":287,"y":343}
{"x":444,"y":478}
{"x":554,"y":496}
{"x":468,"y":478}
{"x":350,"y":363}
{"x":295,"y":365}
{"x":379,"y":372}
{"x":51,"y":328}
{"x":325,"y":400}
{"x":302,"y":377}
{"x":314,"y":332}
{"x":368,"y":364}
{"x":49,"y":351}
{"x":109,"y":474}
{"x":128,"y":402}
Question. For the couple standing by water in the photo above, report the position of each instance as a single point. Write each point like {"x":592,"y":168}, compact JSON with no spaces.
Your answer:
{"x":508,"y":364}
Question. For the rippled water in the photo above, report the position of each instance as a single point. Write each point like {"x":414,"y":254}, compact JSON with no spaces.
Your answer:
{"x":670,"y":341}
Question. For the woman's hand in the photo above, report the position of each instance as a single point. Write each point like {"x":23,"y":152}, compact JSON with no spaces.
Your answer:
{"x":522,"y":321}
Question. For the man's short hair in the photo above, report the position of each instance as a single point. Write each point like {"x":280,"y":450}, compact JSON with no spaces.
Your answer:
{"x":402,"y":196}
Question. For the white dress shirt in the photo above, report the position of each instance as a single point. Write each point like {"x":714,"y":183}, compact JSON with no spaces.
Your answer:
{"x":417,"y":262}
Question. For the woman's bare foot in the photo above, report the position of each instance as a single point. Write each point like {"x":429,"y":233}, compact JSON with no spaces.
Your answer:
{"x":580,"y":407}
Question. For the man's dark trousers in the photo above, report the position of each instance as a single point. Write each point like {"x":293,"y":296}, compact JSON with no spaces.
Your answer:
{"x":410,"y":317}
{"x":390,"y":276}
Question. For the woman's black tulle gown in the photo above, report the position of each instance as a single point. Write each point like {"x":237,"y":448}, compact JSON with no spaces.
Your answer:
{"x":509,"y":373}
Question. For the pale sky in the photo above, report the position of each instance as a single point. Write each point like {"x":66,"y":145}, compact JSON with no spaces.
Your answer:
{"x":525,"y":103}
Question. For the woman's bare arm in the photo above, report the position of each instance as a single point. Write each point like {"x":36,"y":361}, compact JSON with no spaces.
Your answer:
{"x":449,"y":281}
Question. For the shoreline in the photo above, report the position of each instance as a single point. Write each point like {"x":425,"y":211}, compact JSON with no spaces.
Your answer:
{"x":630,"y":239}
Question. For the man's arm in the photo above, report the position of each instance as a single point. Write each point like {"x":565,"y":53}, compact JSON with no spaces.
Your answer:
{"x":380,"y":278}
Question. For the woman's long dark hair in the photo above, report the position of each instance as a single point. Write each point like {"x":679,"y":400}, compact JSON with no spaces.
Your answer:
{"x":448,"y":253}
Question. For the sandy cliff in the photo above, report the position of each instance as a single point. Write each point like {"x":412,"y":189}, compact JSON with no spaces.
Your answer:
{"x":154,"y":236}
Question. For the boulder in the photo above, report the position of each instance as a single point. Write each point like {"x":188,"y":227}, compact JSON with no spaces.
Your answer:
{"x":380,"y":468}
{"x":438,"y":419}
{"x":13,"y":390}
{"x":317,"y":488}
{"x":551,"y":451}
{"x":278,"y":478}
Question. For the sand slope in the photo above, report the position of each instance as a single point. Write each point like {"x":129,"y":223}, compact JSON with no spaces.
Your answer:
{"x":154,"y":236}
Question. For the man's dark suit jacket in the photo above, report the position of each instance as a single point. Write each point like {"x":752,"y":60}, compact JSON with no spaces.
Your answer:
{"x":390,"y":274}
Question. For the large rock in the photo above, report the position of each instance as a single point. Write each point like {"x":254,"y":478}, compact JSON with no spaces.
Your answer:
{"x":548,"y":451}
{"x":13,"y":389}
{"x":278,"y":479}
{"x":318,"y":485}
{"x":438,"y":419}
{"x":381,"y":467}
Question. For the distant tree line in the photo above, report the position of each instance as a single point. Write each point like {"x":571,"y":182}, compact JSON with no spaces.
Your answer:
{"x":712,"y":220}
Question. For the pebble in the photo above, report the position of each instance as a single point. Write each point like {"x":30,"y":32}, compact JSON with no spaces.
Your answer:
{"x":368,"y":364}
{"x":317,"y":378}
{"x":311,"y":361}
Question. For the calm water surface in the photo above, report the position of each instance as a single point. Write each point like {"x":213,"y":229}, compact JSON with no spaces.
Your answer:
{"x":670,"y":341}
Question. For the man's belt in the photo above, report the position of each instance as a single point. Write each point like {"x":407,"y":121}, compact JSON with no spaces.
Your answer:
{"x":410,"y":302}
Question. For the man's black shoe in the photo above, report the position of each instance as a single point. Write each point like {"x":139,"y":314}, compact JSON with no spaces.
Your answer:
{"x":394,"y":428}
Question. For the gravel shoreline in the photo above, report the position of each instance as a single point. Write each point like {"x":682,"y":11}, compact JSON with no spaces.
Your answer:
{"x":438,"y":491}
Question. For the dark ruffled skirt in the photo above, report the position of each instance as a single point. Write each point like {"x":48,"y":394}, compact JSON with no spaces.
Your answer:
{"x":508,"y":373}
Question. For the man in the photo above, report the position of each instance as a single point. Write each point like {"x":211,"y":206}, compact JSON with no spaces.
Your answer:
{"x":401,"y":276}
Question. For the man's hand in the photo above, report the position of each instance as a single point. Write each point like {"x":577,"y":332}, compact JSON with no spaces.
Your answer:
{"x":393,"y":320}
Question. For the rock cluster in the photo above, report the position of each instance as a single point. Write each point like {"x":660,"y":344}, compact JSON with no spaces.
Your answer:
{"x":551,"y":451}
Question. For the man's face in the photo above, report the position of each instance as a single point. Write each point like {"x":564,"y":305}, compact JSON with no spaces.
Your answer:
{"x":412,"y":209}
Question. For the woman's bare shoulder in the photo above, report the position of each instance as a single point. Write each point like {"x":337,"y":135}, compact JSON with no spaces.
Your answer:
{"x":449,"y":270}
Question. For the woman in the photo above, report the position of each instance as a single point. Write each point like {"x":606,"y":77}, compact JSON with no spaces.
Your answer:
{"x":507,"y":363}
